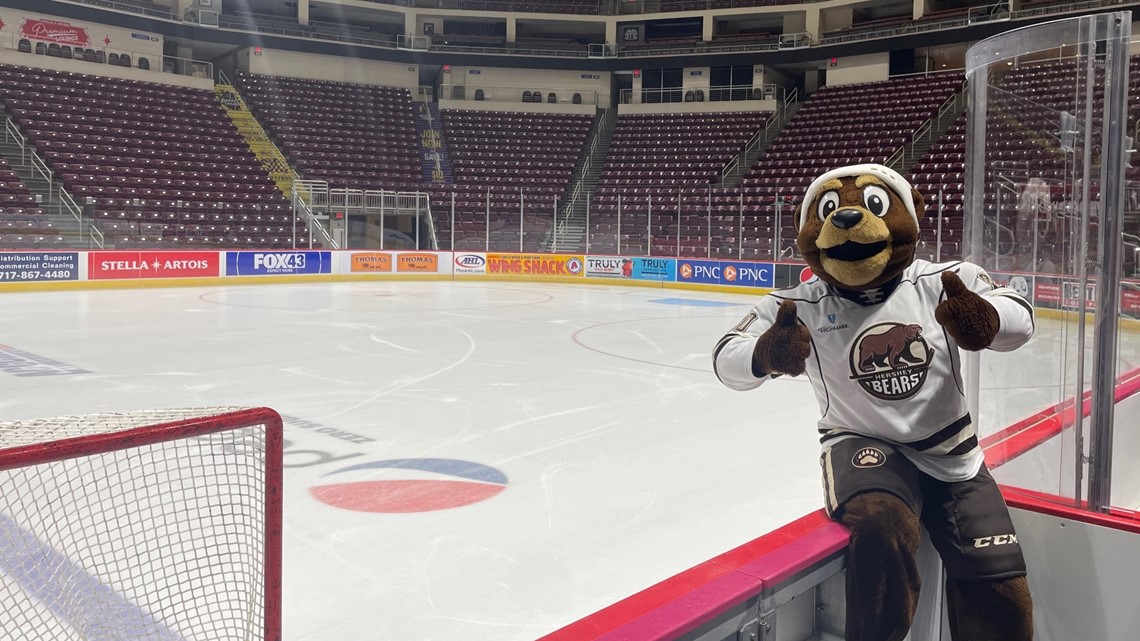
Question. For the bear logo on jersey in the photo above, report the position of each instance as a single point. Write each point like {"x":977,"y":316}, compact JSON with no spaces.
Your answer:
{"x":890,"y":360}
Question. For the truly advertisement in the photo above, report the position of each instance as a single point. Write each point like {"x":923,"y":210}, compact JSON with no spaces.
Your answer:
{"x":541,"y":265}
{"x":27,"y":267}
{"x":609,"y":267}
{"x":658,"y":269}
{"x":111,"y":265}
{"x":717,"y":272}
{"x":253,"y":263}
{"x":638,"y":268}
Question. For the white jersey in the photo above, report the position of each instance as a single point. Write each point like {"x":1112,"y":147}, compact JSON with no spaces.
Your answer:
{"x":880,"y":363}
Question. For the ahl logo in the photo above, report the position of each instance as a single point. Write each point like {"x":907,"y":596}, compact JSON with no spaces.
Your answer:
{"x":890,"y":360}
{"x":470,"y":260}
{"x":418,"y":485}
{"x":868,"y":457}
{"x":574,"y":265}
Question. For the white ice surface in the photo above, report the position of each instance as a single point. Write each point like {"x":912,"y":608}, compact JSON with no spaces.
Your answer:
{"x":627,"y":461}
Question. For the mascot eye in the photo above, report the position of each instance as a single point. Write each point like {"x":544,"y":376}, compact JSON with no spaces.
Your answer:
{"x":876,"y":200}
{"x":828,"y":203}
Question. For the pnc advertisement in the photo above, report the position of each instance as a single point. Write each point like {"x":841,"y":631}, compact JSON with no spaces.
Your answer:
{"x":719,"y":272}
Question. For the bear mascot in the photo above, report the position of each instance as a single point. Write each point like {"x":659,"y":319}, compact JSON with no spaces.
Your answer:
{"x":878,"y":334}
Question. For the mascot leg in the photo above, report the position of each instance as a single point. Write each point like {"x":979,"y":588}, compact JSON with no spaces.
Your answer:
{"x":882,"y":576}
{"x":990,"y":610}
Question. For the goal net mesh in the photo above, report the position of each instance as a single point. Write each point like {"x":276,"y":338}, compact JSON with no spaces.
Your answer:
{"x":155,"y":525}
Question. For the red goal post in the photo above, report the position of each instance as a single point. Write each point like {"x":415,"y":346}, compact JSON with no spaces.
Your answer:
{"x":162,"y":525}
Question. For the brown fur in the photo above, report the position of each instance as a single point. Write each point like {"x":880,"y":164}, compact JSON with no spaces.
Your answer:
{"x":970,"y":320}
{"x":784,"y":348}
{"x":882,"y":581}
{"x":882,"y":576}
{"x":896,"y":227}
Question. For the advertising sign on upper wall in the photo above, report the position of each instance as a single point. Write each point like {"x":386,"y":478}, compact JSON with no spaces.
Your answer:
{"x":54,"y":31}
{"x":17,"y":25}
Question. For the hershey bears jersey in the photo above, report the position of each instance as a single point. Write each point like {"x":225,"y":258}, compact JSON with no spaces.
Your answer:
{"x":881,"y":365}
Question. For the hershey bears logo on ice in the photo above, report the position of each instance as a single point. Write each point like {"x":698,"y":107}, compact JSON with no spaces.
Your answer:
{"x":890,"y":360}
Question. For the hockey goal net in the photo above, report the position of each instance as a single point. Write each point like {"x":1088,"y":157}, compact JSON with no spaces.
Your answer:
{"x":157,"y":525}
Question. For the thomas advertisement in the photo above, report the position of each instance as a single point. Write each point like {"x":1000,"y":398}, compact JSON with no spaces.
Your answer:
{"x":278,"y":263}
{"x":27,"y":267}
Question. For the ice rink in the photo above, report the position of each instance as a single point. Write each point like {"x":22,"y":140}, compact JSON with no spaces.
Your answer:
{"x":484,"y":461}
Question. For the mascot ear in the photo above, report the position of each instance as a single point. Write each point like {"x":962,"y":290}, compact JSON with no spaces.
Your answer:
{"x":919,"y":204}
{"x":796,"y":216}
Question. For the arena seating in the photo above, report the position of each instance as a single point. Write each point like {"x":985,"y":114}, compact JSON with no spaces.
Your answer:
{"x":351,"y":135}
{"x":23,"y":224}
{"x":156,"y":164}
{"x":838,"y":125}
{"x":1025,"y":101}
{"x":656,"y":159}
{"x":513,"y":156}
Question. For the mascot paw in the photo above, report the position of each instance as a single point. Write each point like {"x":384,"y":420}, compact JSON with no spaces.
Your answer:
{"x":784,"y":348}
{"x":967,"y":317}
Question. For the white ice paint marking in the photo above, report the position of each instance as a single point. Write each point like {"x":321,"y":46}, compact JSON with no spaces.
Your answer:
{"x":398,"y":385}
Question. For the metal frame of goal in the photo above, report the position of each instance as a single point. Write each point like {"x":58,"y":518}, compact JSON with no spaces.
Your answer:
{"x":159,"y":525}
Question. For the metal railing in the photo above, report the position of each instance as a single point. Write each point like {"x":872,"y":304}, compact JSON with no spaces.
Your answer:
{"x":306,"y":195}
{"x":901,"y":158}
{"x":316,"y":201}
{"x":532,"y":94}
{"x":604,"y":8}
{"x":717,"y":93}
{"x":685,"y":222}
{"x":736,"y":166}
{"x":28,"y":156}
{"x":576,"y":193}
{"x":67,"y":203}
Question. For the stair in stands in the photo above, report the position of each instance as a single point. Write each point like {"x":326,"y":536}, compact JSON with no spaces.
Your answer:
{"x":434,"y":160}
{"x":259,"y":142}
{"x":572,"y":232}
{"x":55,"y":220}
{"x":766,"y":136}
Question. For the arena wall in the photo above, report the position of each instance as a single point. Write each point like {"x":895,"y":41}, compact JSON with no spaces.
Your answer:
{"x":279,"y":62}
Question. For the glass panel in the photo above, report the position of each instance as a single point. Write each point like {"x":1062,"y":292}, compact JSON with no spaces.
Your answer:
{"x":1046,"y":160}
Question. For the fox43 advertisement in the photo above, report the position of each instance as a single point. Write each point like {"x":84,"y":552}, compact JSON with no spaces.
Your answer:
{"x":273,"y":263}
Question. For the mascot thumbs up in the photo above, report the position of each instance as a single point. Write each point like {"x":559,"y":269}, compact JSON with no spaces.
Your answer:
{"x":878,"y":334}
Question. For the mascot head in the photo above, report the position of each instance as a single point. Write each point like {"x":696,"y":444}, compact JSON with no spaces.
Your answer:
{"x":858,"y":226}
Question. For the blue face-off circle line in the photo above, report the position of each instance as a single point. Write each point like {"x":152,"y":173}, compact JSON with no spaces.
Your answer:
{"x":453,"y":467}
